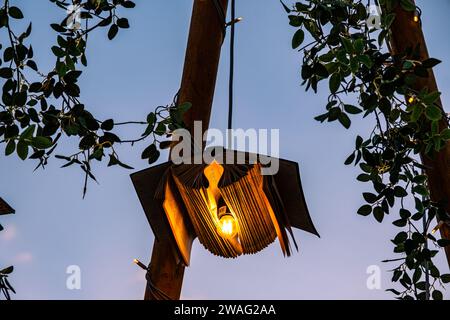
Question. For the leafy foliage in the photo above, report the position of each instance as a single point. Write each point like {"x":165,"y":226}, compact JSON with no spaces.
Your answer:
{"x":38,"y":108}
{"x":5,"y":286}
{"x":345,"y":54}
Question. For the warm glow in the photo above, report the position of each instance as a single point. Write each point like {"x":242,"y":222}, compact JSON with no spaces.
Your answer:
{"x":416,"y":18}
{"x":227,"y":226}
{"x":411,"y":99}
{"x":140,"y":264}
{"x":435,"y":229}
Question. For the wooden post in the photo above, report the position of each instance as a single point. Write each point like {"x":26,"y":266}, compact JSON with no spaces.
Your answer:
{"x":405,"y":34}
{"x":198,"y":83}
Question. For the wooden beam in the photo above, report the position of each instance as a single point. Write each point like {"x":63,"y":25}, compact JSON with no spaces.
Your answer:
{"x":202,"y":61}
{"x":198,"y":83}
{"x":405,"y":34}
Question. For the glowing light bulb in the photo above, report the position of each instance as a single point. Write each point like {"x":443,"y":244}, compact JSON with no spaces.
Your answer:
{"x":435,"y":229}
{"x":140,"y":264}
{"x":411,"y":100}
{"x":417,"y":15}
{"x":227,"y":226}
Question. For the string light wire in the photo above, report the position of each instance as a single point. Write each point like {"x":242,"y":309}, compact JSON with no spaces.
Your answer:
{"x":231,"y":80}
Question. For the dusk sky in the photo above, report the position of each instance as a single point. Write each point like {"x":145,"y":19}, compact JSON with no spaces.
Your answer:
{"x":126,"y":79}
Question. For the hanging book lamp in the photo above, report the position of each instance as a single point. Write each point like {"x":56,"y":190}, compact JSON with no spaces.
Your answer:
{"x":232,"y":208}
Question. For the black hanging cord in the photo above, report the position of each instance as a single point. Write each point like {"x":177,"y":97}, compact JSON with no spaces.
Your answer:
{"x":231,"y":24}
{"x":231,"y":80}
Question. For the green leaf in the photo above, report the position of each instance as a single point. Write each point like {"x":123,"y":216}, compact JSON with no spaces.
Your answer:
{"x":41,"y":142}
{"x":437,"y":295}
{"x":445,"y":134}
{"x":359,"y":45}
{"x":113,"y":30}
{"x":416,"y":113}
{"x":286,"y":8}
{"x":405,"y":214}
{"x":28,"y":132}
{"x":15,"y":13}
{"x":431,"y":97}
{"x":363,"y":177}
{"x":321,"y":117}
{"x":320,"y":70}
{"x":408,"y":5}
{"x":107,"y":125}
{"x":445,"y":278}
{"x":389,"y":19}
{"x":420,"y":189}
{"x":422,"y":285}
{"x":128,"y":4}
{"x":6,"y":73}
{"x":179,"y":112}
{"x":57,"y":27}
{"x":394,"y":291}
{"x":365,"y":210}
{"x":350,"y":159}
{"x":151,"y":118}
{"x":431,"y":63}
{"x":7,"y":270}
{"x":443,"y":243}
{"x":295,"y":21}
{"x":184,"y":107}
{"x":114,"y":161}
{"x":335,"y":82}
{"x":370,"y":197}
{"x":151,"y":153}
{"x":32,"y":65}
{"x":400,"y":222}
{"x":57,"y":51}
{"x":123,"y":23}
{"x":400,"y":237}
{"x":344,"y":120}
{"x":400,"y":192}
{"x":365,"y":60}
{"x":358,"y":142}
{"x":407,"y":65}
{"x":352,"y":109}
{"x":348,"y":45}
{"x":10,"y":147}
{"x":22,"y":149}
{"x":378,"y":213}
{"x":298,"y":38}
{"x":160,"y":129}
{"x":420,"y":179}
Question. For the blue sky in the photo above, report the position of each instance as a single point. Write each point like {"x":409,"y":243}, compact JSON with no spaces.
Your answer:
{"x":141,"y":69}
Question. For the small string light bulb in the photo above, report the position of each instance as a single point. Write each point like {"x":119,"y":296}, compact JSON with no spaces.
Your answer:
{"x":140,"y":264}
{"x":234,"y":21}
{"x":227,"y":226}
{"x":435,"y":229}
{"x":411,"y":99}
{"x":417,"y":15}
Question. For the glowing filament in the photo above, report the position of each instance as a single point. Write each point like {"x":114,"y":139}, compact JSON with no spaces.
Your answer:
{"x":227,"y":226}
